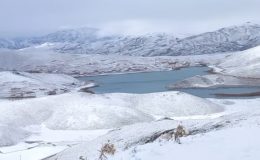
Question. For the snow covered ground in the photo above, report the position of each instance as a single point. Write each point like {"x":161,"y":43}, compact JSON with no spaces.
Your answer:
{"x":43,"y":59}
{"x":240,"y":69}
{"x":42,"y":127}
{"x":234,"y":134}
{"x":89,"y":111}
{"x":28,"y":85}
{"x":233,"y":143}
{"x":75,"y":124}
{"x":243,"y":64}
{"x":62,"y":121}
{"x":215,"y":80}
{"x":90,"y":41}
{"x":237,"y":139}
{"x":45,"y":142}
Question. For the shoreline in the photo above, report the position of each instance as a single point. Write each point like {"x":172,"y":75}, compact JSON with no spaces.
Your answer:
{"x":251,"y":94}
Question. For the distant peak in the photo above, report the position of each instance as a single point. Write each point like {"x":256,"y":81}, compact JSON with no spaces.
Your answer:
{"x":249,"y":24}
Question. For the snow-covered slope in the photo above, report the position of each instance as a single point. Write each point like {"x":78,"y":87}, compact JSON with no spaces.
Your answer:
{"x":86,"y":111}
{"x":215,"y":80}
{"x":88,"y":41}
{"x":242,"y":64}
{"x":9,"y":44}
{"x":235,"y":38}
{"x":228,"y":39}
{"x":239,"y":69}
{"x":145,"y":45}
{"x":25,"y":85}
{"x":43,"y":59}
{"x":80,"y":35}
{"x":10,"y":135}
{"x":233,"y":134}
{"x":233,"y":143}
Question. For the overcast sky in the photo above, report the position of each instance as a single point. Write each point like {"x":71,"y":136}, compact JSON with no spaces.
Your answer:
{"x":181,"y":17}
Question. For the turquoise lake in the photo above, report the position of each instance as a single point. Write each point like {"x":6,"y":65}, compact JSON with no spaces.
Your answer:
{"x":148,"y":82}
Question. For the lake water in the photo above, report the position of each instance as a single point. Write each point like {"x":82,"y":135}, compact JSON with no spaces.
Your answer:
{"x":148,"y":82}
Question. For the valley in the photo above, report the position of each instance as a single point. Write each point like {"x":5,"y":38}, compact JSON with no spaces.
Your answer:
{"x":64,"y":95}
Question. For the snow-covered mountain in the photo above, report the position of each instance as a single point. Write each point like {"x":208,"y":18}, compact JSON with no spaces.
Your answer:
{"x":88,"y":41}
{"x":12,"y":43}
{"x":81,"y":36}
{"x":229,"y":39}
{"x":234,"y":38}
{"x":242,"y":64}
{"x":146,"y":45}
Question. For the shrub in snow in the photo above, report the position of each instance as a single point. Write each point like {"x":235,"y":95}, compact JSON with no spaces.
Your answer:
{"x":107,"y":149}
{"x":180,"y":132}
{"x":177,"y":133}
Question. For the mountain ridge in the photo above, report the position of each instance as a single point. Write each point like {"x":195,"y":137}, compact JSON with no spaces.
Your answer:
{"x":88,"y":41}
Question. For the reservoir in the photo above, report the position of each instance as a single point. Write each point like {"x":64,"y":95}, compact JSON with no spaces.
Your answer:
{"x":148,"y":82}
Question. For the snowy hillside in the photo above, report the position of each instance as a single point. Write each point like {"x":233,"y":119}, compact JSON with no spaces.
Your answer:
{"x":86,"y":111}
{"x":80,"y":111}
{"x":88,"y":41}
{"x":239,"y":69}
{"x":228,"y":39}
{"x":243,"y":64}
{"x":233,"y":134}
{"x":43,"y":59}
{"x":215,"y":80}
{"x":75,"y":125}
{"x":12,"y":44}
{"x":81,"y":35}
{"x":146,"y":45}
{"x":28,"y":85}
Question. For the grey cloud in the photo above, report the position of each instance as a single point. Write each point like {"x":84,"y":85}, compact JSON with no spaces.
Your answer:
{"x":29,"y":17}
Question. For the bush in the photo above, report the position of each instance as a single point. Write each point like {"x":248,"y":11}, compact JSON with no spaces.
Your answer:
{"x":107,"y":149}
{"x":179,"y":132}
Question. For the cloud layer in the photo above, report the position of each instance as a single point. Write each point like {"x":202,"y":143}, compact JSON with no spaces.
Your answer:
{"x":30,"y":17}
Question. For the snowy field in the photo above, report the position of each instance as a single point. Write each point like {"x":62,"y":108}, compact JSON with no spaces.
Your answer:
{"x":232,"y":134}
{"x":30,"y":85}
{"x":62,"y":121}
{"x":221,"y":124}
{"x":75,"y":124}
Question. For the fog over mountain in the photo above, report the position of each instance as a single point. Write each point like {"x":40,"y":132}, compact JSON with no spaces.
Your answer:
{"x":134,"y":17}
{"x":89,"y":41}
{"x":129,"y":79}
